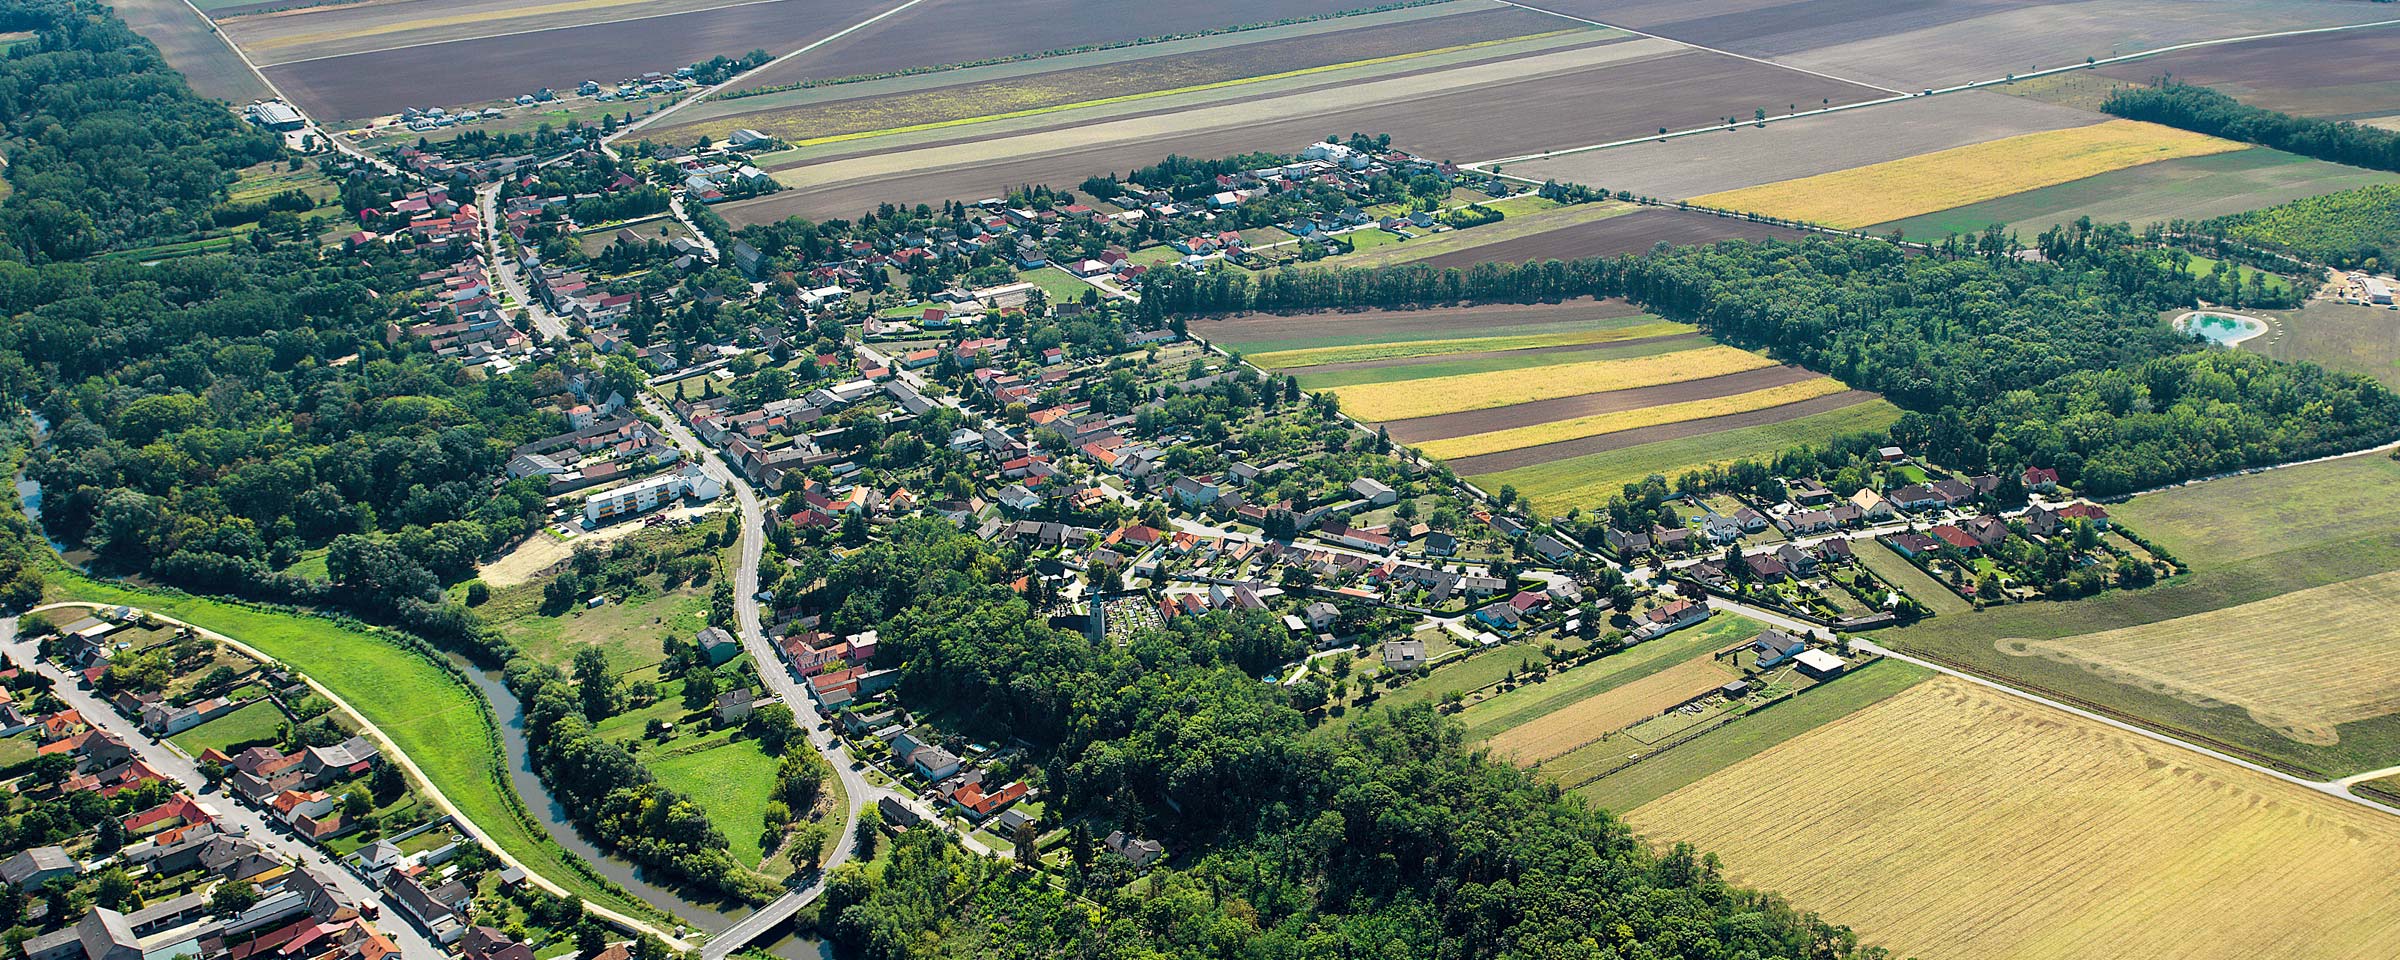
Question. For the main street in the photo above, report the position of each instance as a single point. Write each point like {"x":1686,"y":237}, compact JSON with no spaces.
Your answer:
{"x":232,"y":816}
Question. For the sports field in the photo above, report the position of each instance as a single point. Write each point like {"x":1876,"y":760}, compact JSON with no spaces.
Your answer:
{"x":1955,"y":821}
{"x":1898,"y":189}
{"x":1589,"y":480}
{"x":2188,"y":188}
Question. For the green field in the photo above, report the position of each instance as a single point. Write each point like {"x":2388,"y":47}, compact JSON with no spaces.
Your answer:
{"x":1532,"y":701}
{"x":2191,"y":188}
{"x":2350,"y":338}
{"x":1725,"y":746}
{"x":258,"y":722}
{"x":1509,"y":360}
{"x":1360,"y":335}
{"x":1059,"y":285}
{"x":1588,"y":481}
{"x":429,"y":714}
{"x":2324,"y":228}
{"x":1919,"y":585}
{"x":2246,"y":539}
{"x":2200,"y":266}
{"x":733,"y":780}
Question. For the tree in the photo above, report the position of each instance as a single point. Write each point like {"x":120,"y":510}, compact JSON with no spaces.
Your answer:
{"x":232,"y":897}
{"x":774,"y":726}
{"x":590,"y":939}
{"x":116,"y":891}
{"x":700,"y":688}
{"x":385,"y":781}
{"x":597,"y":686}
{"x":1027,"y":853}
{"x":806,"y":848}
{"x":869,"y":830}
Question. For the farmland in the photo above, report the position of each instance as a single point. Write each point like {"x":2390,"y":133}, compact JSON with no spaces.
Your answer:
{"x":1481,"y":244}
{"x":1328,"y":376}
{"x":1631,"y":233}
{"x":1511,"y":710}
{"x":1919,"y":832}
{"x":1462,"y":112}
{"x":1260,"y":333}
{"x":205,"y":59}
{"x":1560,"y":431}
{"x":2247,"y":539}
{"x":1319,"y":356}
{"x":1590,"y":479}
{"x":2335,"y":227}
{"x":1898,"y":189}
{"x":1409,"y":399}
{"x":2190,"y":188}
{"x":2343,"y":76}
{"x":1480,"y":422}
{"x":1570,"y":727}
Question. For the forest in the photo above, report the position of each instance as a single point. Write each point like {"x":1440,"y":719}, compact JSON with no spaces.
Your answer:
{"x":2353,"y":229}
{"x":2202,"y":110}
{"x":2002,"y":362}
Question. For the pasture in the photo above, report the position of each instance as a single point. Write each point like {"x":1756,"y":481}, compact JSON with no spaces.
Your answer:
{"x":2189,"y":188}
{"x":2300,"y":664}
{"x":2247,"y":539}
{"x":1590,"y":479}
{"x":1410,"y":399}
{"x":1898,"y":189}
{"x":1919,"y":831}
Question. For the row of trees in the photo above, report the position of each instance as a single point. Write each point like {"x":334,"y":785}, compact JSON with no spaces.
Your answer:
{"x":2203,"y":110}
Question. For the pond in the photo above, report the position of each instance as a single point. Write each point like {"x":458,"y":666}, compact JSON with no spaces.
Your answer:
{"x":2220,"y":328}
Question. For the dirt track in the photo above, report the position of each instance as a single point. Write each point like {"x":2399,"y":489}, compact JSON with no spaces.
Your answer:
{"x":1529,"y":456}
{"x":1473,"y":422}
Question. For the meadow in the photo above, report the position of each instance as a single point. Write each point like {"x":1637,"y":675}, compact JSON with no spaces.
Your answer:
{"x":1961,"y":822}
{"x":1898,"y":189}
{"x":1589,"y":480}
{"x":2349,"y":338}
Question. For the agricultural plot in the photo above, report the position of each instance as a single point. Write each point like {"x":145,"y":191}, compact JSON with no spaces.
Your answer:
{"x":1922,"y":184}
{"x":2301,"y":664}
{"x":1410,"y":399}
{"x":1618,"y":88}
{"x":2331,"y":228}
{"x":1509,"y":710}
{"x":2354,"y":75}
{"x":1261,"y":333}
{"x":1632,"y":233}
{"x":1475,"y":422}
{"x":1558,"y":432}
{"x":2247,"y":540}
{"x":1689,"y":166}
{"x":1632,"y":328}
{"x":1328,"y":376}
{"x":194,"y":49}
{"x":2189,"y":188}
{"x":1472,"y":246}
{"x":1586,"y":720}
{"x":1915,"y":834}
{"x":1590,"y":479}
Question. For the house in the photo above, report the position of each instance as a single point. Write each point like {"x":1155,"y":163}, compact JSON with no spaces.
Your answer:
{"x":1551,"y":548}
{"x":1671,"y":617}
{"x":1818,"y":663}
{"x":1403,"y":656}
{"x":1775,"y":646}
{"x":35,"y":868}
{"x":719,"y":646}
{"x":735,"y":705}
{"x":1439,"y":544}
{"x":1623,"y":543}
{"x":1986,"y":531}
{"x":1136,"y":851}
{"x":1320,"y":615}
{"x":1911,"y":543}
{"x":2041,"y":479}
{"x":1918,"y":496}
{"x":979,"y":803}
{"x":1373,"y":491}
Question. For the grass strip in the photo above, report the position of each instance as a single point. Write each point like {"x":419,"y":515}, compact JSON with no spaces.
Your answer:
{"x":1588,"y":481}
{"x":1537,"y":434}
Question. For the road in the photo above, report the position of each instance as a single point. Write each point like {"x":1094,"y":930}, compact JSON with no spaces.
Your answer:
{"x":707,"y":246}
{"x":231,"y":815}
{"x":547,"y":326}
{"x":705,"y":93}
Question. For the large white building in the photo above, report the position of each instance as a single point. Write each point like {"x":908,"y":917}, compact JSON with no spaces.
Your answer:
{"x":642,"y":496}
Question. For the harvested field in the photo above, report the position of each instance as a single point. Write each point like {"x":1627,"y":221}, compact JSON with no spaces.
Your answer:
{"x":1321,"y":356}
{"x":312,"y":32}
{"x":1467,"y":247}
{"x":1730,"y":409}
{"x":2302,"y":664}
{"x":193,"y":49}
{"x":2190,"y":188}
{"x":1467,"y":112}
{"x":1384,"y":371}
{"x":2343,"y":76}
{"x":1510,"y":709}
{"x":1411,"y":399}
{"x":1633,"y":233}
{"x":1588,"y":481}
{"x":1470,"y":423}
{"x":1645,"y":435}
{"x":2336,"y":336}
{"x":1293,"y":331}
{"x":1951,"y":178}
{"x":1690,"y":166}
{"x":1917,"y":837}
{"x":1140,"y":74}
{"x":1589,"y":719}
{"x":480,"y":69}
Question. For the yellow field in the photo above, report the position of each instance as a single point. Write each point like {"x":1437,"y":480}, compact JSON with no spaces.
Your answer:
{"x":1432,"y":396}
{"x":1896,"y":189}
{"x":1534,"y":435}
{"x":2301,"y":663}
{"x":1957,"y":822}
{"x":1317,"y":356}
{"x":1561,"y":731}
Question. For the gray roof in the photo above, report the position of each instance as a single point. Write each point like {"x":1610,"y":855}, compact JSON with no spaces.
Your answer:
{"x":39,"y":860}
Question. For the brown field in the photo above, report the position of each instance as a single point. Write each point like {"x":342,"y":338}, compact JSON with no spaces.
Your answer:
{"x":1445,"y":426}
{"x":1490,"y":389}
{"x":1953,"y":821}
{"x":1563,"y":354}
{"x":1379,"y":324}
{"x":2352,"y":75}
{"x":476,"y":70}
{"x":184,"y":38}
{"x":1556,"y":432}
{"x":959,"y":31}
{"x":2300,"y":664}
{"x":1631,"y":233}
{"x":1690,"y":166}
{"x":307,"y":33}
{"x":1551,"y":452}
{"x":1561,"y":731}
{"x":984,"y":98}
{"x":1535,"y":103}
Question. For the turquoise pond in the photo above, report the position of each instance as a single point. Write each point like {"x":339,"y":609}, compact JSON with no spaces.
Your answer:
{"x":2222,"y":329}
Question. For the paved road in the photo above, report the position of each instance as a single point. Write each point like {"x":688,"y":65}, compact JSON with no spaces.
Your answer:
{"x":547,"y":326}
{"x":232,"y":815}
{"x":707,"y":246}
{"x":607,"y":143}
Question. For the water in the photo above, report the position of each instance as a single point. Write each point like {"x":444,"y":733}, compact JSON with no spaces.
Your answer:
{"x":536,"y":794}
{"x":2222,"y":329}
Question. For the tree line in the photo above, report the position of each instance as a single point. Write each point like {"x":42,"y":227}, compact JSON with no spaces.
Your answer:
{"x":2203,"y":110}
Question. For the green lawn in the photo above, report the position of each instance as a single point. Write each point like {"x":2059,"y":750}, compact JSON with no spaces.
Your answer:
{"x":17,"y":749}
{"x":1532,"y":701}
{"x":256,"y":723}
{"x":1440,"y":366}
{"x":2246,"y":539}
{"x":429,"y":714}
{"x":1588,"y":481}
{"x":733,"y":781}
{"x":2200,"y":266}
{"x":1685,"y":764}
{"x":1919,"y":585}
{"x":1059,"y":285}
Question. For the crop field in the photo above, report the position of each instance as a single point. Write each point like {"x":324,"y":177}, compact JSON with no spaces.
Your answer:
{"x":1590,"y":479}
{"x":2190,"y":188}
{"x":1588,"y":719}
{"x":2337,"y":336}
{"x":2342,"y":76}
{"x":813,"y":115}
{"x":1632,"y":233}
{"x":1560,"y":431}
{"x":1691,"y":166}
{"x":1532,"y":701}
{"x":1269,"y":332}
{"x":1619,"y":88}
{"x":450,"y":58}
{"x":185,"y":38}
{"x":2301,"y":664}
{"x":1410,"y":399}
{"x":1474,"y":422}
{"x":1926,"y":183}
{"x":1463,"y":248}
{"x":1328,"y":376}
{"x":1630,"y":328}
{"x":1915,"y":822}
{"x":2247,"y":539}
